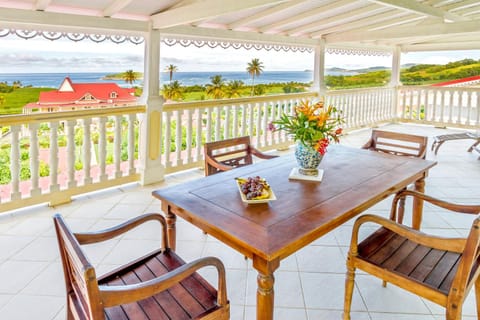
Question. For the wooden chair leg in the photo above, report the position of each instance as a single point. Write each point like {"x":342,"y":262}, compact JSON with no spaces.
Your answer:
{"x":401,"y":210}
{"x":349,"y":283}
{"x":477,"y":296}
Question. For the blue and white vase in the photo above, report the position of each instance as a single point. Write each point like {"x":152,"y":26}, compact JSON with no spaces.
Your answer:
{"x":308,"y":159}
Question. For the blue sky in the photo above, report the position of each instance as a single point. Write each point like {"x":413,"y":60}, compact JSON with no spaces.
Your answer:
{"x":41,"y":55}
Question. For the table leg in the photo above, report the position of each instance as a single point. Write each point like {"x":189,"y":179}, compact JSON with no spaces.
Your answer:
{"x":171,"y":232}
{"x":418,"y":204}
{"x":265,"y":282}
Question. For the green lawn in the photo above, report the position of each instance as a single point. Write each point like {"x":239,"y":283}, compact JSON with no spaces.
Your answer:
{"x":14,"y":101}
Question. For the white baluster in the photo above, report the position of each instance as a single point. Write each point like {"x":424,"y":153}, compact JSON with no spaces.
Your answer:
{"x":34,"y":160}
{"x":53,"y":161}
{"x":218,"y":119}
{"x":226,"y":125}
{"x":442,"y":106}
{"x":477,"y":121}
{"x":198,"y":138}
{"x":71,"y":182}
{"x":460,"y":106}
{"x":87,"y":154}
{"x":117,"y":146}
{"x":15,"y":162}
{"x":102,"y":148}
{"x":244,"y":120}
{"x":189,"y":136}
{"x":265,"y":123}
{"x":434,"y":109}
{"x":450,"y":113}
{"x":178,"y":138}
{"x":208,"y":138}
{"x":131,"y":143}
{"x":250,"y":120}
{"x":258,"y":123}
{"x":235,"y":122}
{"x":168,"y":137}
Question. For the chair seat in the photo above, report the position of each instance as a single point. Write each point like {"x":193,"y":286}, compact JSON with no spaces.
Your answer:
{"x":197,"y":295}
{"x":396,"y":254}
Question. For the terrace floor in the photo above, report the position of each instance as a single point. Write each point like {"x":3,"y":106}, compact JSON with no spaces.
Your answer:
{"x":309,"y":284}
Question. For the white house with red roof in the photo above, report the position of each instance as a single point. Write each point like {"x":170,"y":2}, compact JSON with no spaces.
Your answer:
{"x":76,"y":96}
{"x":464,"y":82}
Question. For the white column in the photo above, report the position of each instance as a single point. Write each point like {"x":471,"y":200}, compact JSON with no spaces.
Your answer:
{"x":395,"y":81}
{"x":319,"y":69}
{"x":150,"y":165}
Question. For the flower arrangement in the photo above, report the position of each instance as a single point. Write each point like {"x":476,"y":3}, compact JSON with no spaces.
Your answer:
{"x":312,"y":124}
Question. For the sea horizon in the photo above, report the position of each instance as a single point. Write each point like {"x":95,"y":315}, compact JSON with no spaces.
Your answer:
{"x":186,"y":78}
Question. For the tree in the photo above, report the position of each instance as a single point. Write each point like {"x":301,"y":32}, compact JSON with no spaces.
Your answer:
{"x":216,"y":87}
{"x":254,"y":68}
{"x":233,"y":88}
{"x":171,"y":69}
{"x":129,"y":76}
{"x":173,"y":91}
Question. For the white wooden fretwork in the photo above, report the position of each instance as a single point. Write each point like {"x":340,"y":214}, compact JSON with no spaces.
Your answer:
{"x":51,"y":35}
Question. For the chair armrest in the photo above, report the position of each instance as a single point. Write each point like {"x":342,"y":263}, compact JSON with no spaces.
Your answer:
{"x":122,"y":294}
{"x":218,"y":165}
{"x":106,"y":234}
{"x":261,"y":155}
{"x":461,"y":208}
{"x":436,"y":242}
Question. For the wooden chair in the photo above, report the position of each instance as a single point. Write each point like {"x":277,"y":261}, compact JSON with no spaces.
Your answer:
{"x":442,"y":270}
{"x":228,"y":154}
{"x":159,"y":285}
{"x":399,"y":144}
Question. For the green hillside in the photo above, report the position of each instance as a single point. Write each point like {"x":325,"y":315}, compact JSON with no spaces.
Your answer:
{"x":13,"y":102}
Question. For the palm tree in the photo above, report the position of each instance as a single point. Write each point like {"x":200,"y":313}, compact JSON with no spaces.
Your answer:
{"x":254,"y":68}
{"x":233,"y":88}
{"x":173,"y":91}
{"x":129,"y":76}
{"x":217,"y":86}
{"x":171,"y":69}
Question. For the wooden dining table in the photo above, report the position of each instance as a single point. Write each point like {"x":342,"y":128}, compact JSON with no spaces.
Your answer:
{"x":353,"y":180}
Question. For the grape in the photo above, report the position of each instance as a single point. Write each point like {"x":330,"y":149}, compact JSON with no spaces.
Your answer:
{"x":253,"y":187}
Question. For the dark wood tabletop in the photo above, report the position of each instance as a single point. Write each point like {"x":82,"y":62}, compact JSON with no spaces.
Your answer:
{"x":353,"y":180}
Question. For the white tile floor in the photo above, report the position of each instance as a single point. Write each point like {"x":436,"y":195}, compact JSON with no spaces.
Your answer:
{"x":309,"y":284}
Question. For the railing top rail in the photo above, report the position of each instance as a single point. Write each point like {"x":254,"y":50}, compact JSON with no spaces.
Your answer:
{"x":209,"y":103}
{"x":39,"y":117}
{"x":471,"y":89}
{"x":343,"y":91}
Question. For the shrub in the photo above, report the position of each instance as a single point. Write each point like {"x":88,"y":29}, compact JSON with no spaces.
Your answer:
{"x":109,"y":159}
{"x":95,"y":137}
{"x":25,"y":173}
{"x":25,"y":156}
{"x":78,"y":165}
{"x":44,"y":169}
{"x":44,"y":142}
{"x":62,"y":141}
{"x":5,"y":174}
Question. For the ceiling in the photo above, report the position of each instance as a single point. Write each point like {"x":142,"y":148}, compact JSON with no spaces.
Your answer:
{"x":415,"y":25}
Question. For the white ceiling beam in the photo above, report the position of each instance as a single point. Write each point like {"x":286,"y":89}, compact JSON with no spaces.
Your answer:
{"x":406,"y":31}
{"x":420,"y":8}
{"x":51,"y":21}
{"x":197,"y":33}
{"x":263,"y":14}
{"x":115,"y":7}
{"x":207,"y":9}
{"x":395,"y":22}
{"x":310,"y":13}
{"x":42,"y":4}
{"x":338,"y":19}
{"x":361,"y":23}
{"x":465,"y":45}
{"x":461,"y":5}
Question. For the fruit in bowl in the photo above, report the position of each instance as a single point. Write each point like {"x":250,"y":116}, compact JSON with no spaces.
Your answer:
{"x":254,"y":188}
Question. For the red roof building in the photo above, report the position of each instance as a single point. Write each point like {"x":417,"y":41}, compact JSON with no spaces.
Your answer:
{"x":459,"y":82}
{"x":75,"y":96}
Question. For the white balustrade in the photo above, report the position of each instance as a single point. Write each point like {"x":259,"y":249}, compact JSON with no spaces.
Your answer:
{"x":441,"y":106}
{"x":51,"y":175}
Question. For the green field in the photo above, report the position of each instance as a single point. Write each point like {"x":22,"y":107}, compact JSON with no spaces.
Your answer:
{"x":14,"y":101}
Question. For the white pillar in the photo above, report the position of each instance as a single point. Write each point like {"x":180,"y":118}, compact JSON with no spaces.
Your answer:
{"x":395,"y":78}
{"x":319,"y":69}
{"x":395,"y":81}
{"x":150,"y":165}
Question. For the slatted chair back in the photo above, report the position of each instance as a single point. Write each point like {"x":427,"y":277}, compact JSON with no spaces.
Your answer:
{"x":231,"y":153}
{"x":80,"y":278}
{"x":401,"y":144}
{"x":442,"y":270}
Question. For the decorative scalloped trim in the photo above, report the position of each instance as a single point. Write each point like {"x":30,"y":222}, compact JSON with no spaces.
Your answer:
{"x":52,"y":35}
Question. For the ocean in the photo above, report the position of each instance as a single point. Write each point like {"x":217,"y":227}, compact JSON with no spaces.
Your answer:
{"x":53,"y":80}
